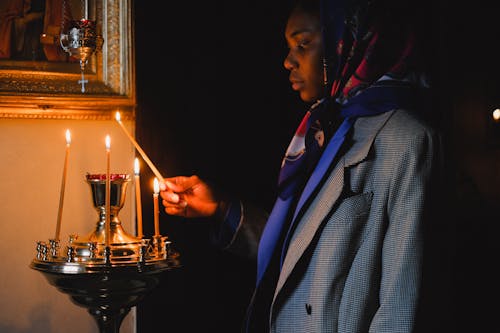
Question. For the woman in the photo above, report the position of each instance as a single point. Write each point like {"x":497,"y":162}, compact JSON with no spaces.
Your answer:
{"x":342,"y":249}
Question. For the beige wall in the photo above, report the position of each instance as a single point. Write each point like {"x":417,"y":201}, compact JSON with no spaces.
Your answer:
{"x":32,"y":156}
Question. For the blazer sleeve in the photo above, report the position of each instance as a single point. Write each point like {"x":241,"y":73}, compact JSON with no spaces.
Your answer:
{"x":240,"y":231}
{"x":408,"y":209}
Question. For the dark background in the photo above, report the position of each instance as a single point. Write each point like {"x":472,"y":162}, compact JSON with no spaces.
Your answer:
{"x":214,"y":100}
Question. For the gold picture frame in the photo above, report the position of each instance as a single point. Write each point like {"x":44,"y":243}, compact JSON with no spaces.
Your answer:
{"x":50,"y":90}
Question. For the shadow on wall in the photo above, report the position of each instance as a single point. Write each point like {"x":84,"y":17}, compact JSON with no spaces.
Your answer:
{"x":39,"y":321}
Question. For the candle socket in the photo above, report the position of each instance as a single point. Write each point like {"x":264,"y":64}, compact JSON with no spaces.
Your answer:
{"x":144,"y":251}
{"x":54,"y":247}
{"x":107,"y":255}
{"x":161,"y":246}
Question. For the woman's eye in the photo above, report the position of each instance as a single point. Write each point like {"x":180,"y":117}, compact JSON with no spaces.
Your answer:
{"x":300,"y":44}
{"x":303,"y":44}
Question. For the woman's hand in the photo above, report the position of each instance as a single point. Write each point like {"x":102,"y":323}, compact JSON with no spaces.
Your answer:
{"x":189,"y":197}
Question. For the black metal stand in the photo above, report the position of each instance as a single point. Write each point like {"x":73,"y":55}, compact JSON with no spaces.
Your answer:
{"x":108,"y":292}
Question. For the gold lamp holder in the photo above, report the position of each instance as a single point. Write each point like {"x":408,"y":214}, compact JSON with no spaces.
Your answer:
{"x":80,"y":40}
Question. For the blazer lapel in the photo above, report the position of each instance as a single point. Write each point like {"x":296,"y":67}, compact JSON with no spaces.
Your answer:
{"x":365,"y":131}
{"x":299,"y":243}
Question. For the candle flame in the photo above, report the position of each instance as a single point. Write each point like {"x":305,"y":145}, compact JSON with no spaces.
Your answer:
{"x":68,"y":137}
{"x":136,"y":166}
{"x":117,"y":116}
{"x":108,"y":142}
{"x":156,"y":185}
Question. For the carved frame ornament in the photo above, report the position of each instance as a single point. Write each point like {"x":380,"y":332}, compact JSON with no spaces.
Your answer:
{"x":45,"y":90}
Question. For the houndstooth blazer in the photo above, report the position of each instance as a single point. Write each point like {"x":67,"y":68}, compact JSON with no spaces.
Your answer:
{"x":354,"y":261}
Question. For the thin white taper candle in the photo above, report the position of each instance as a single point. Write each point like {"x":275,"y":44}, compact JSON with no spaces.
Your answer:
{"x":156,"y":186}
{"x":138,"y":203}
{"x":63,"y":185}
{"x":139,"y":149}
{"x":86,"y":10}
{"x":108,"y":193}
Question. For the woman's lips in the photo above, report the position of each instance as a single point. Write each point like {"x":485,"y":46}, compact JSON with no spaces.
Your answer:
{"x":297,"y":85}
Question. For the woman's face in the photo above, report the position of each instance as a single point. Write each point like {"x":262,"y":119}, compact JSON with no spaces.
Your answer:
{"x":304,"y":59}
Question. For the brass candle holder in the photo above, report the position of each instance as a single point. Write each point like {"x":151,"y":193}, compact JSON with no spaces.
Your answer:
{"x":108,"y":280}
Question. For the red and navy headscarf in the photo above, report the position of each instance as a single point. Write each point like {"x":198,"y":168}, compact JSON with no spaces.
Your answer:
{"x":365,"y":40}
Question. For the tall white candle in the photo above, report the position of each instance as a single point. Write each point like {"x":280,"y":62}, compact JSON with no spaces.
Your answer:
{"x":63,"y":185}
{"x":86,"y":10}
{"x":156,"y":187}
{"x":139,"y":149}
{"x":108,"y":192}
{"x":138,"y":197}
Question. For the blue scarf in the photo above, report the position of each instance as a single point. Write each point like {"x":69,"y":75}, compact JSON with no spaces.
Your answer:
{"x":307,"y":159}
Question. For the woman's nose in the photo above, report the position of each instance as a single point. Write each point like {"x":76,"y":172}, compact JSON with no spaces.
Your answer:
{"x":289,"y":63}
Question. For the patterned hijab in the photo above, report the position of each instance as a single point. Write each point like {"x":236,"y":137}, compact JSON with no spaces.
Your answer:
{"x":367,"y":40}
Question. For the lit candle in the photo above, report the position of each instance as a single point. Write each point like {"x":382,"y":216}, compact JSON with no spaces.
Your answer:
{"x":63,"y":185}
{"x":156,"y":187}
{"x":86,"y":10}
{"x":107,"y":221}
{"x":139,"y":149}
{"x":138,"y":198}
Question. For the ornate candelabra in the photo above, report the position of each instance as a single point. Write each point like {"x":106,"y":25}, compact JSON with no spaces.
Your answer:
{"x":107,"y":277}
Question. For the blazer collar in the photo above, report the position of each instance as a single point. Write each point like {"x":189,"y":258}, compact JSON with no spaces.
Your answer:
{"x":310,"y":215}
